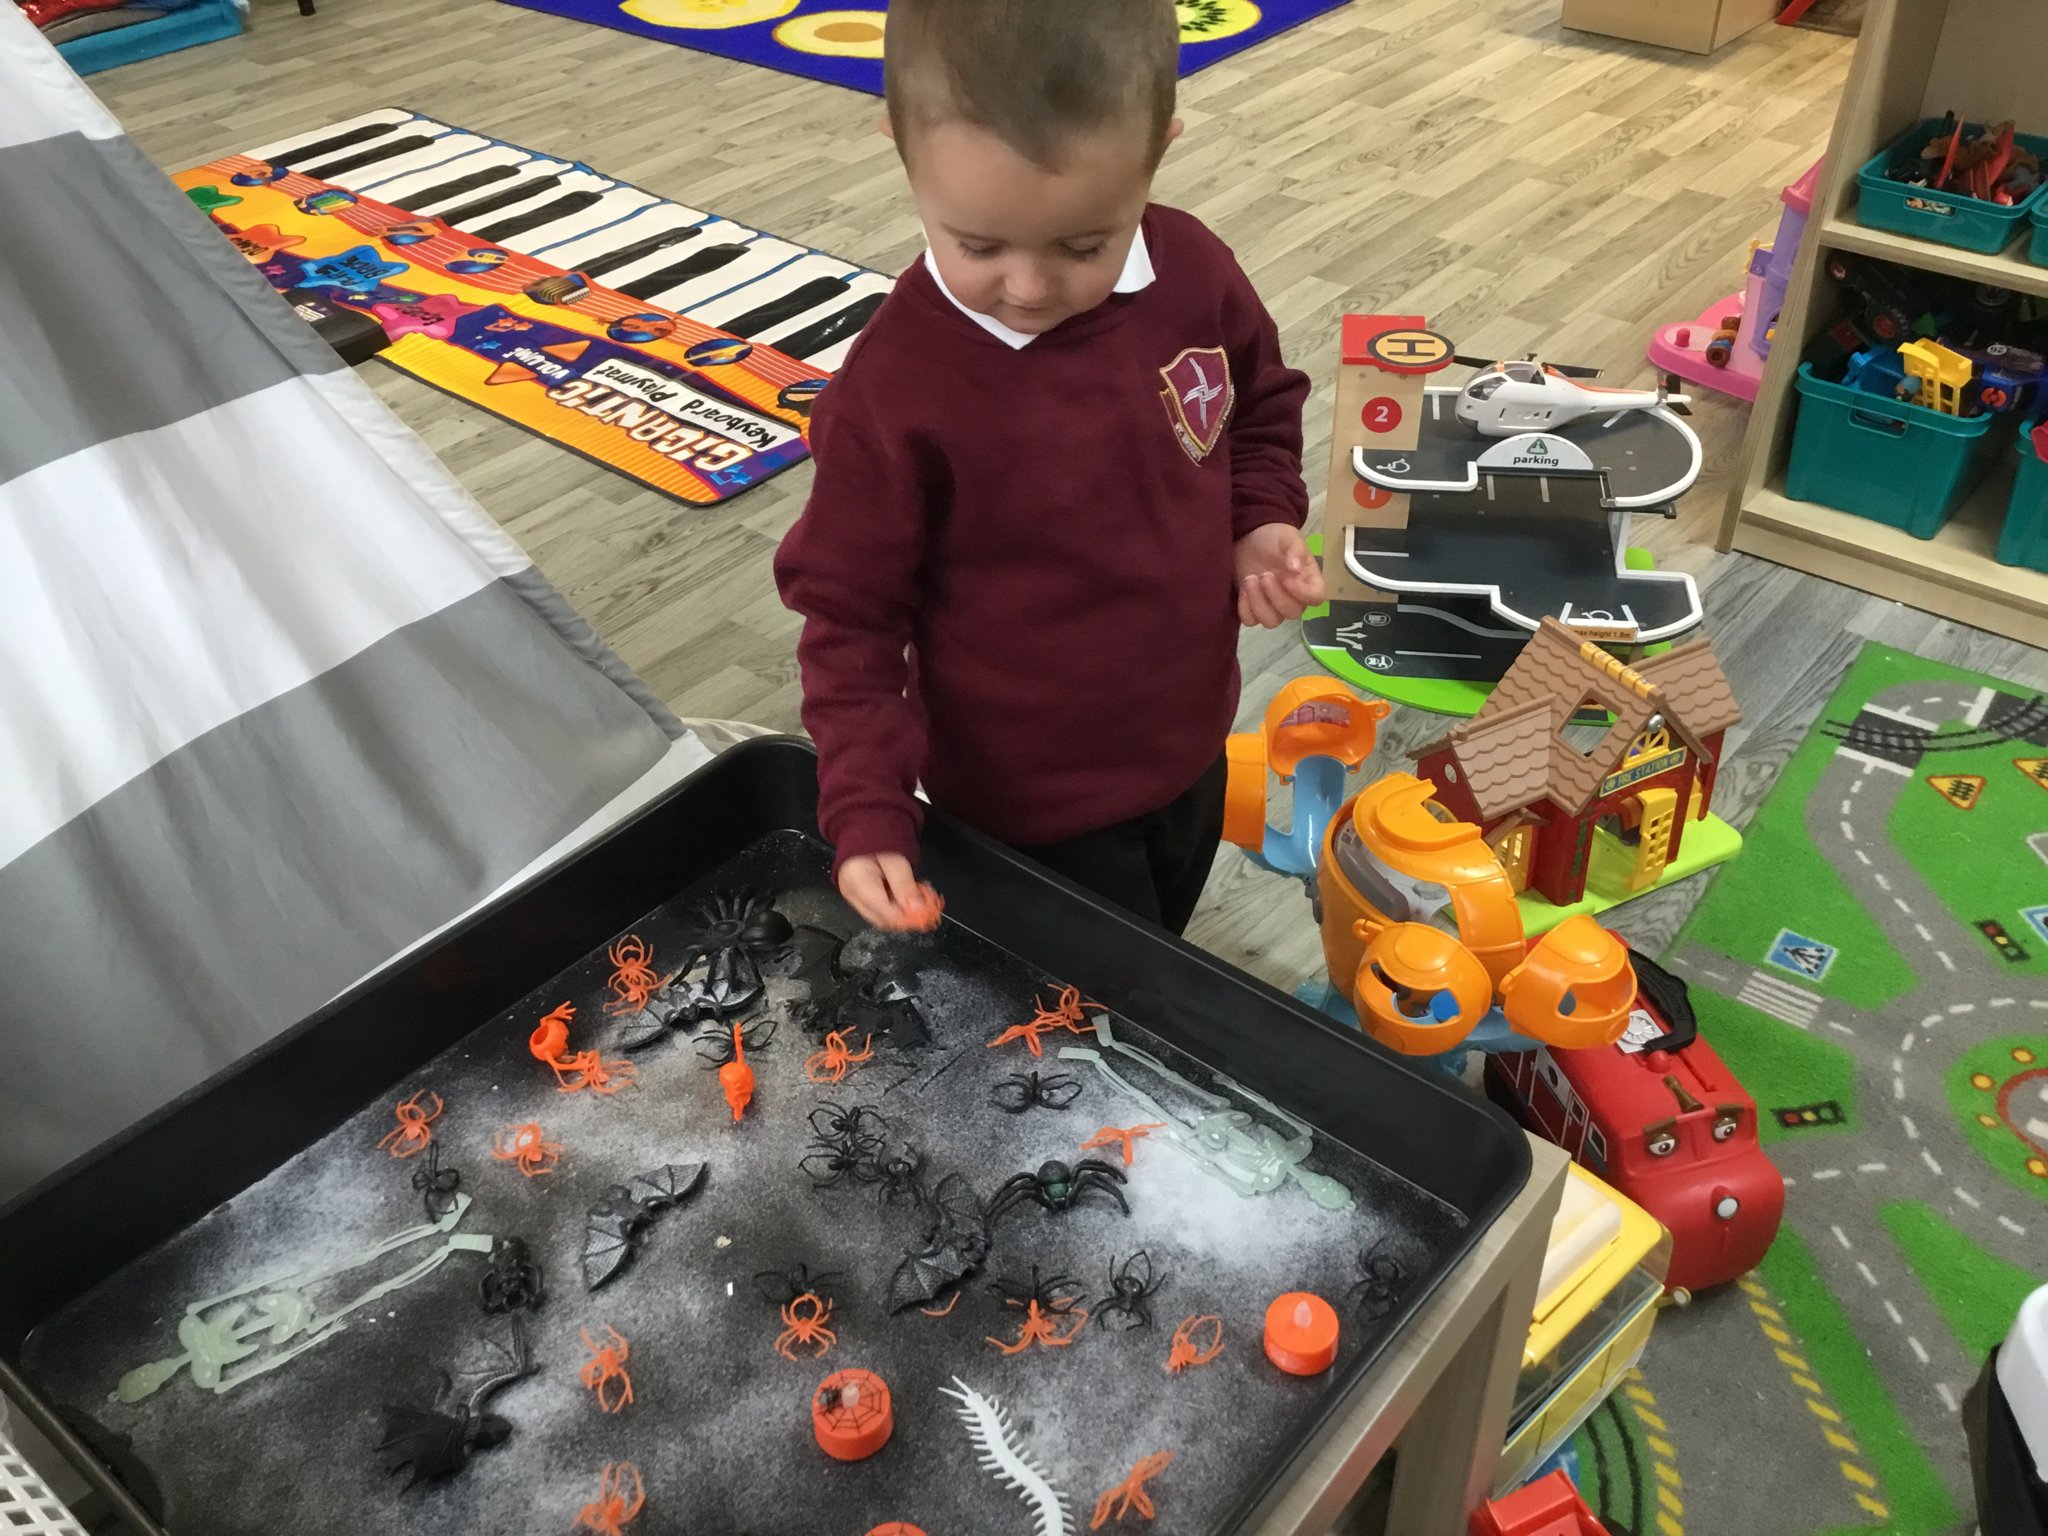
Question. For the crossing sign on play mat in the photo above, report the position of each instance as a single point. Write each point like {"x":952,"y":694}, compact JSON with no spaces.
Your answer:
{"x":2035,"y":768}
{"x":1962,"y":790}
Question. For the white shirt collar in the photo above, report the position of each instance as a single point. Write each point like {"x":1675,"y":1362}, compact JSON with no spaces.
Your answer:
{"x":1137,"y":274}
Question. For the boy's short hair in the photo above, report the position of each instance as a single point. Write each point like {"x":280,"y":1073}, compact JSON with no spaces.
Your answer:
{"x":1035,"y":73}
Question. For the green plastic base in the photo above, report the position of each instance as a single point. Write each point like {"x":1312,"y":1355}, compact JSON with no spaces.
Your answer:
{"x":1707,"y":842}
{"x":1443,"y":696}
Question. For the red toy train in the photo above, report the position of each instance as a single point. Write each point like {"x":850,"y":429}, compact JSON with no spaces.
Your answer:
{"x":1660,"y":1118}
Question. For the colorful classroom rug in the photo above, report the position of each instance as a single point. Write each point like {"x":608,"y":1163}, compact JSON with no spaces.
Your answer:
{"x":843,"y":46}
{"x":1874,"y":967}
{"x":674,"y":347}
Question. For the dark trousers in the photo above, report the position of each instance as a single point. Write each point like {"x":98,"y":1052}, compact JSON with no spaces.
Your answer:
{"x":1154,"y":865}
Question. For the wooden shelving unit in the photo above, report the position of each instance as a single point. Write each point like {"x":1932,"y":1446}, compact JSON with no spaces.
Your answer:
{"x":1986,"y":59}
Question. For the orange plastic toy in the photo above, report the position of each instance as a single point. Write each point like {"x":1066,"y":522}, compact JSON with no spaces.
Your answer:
{"x":737,"y":1078}
{"x":1116,"y":1136}
{"x":921,"y":911}
{"x":549,"y":1044}
{"x":605,"y":1371}
{"x":1310,"y":717}
{"x":1301,"y":1333}
{"x":851,"y":1415}
{"x":1128,"y":1497}
{"x":633,"y":978}
{"x":415,"y":1126}
{"x":806,"y":1326}
{"x":1041,"y":1326}
{"x":1550,"y":1506}
{"x":897,"y":1528}
{"x":549,"y":1041}
{"x":1068,"y":1014}
{"x":838,"y":1058}
{"x":529,"y":1147}
{"x":1197,"y":1341}
{"x":621,"y":1495}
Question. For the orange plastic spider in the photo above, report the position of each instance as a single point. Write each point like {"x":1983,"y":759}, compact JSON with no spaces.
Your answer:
{"x":605,"y":1371}
{"x":529,"y":1147}
{"x":633,"y":978}
{"x":1041,"y":1326}
{"x":833,"y":1063}
{"x":1066,"y":1014}
{"x":1116,"y":1136}
{"x":549,"y":1044}
{"x":621,"y":1495}
{"x":921,"y":910}
{"x":415,"y":1126}
{"x":1197,"y":1341}
{"x":806,"y":1327}
{"x":1129,"y":1497}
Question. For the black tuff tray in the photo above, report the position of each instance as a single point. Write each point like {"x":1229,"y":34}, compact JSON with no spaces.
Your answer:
{"x":97,"y":1262}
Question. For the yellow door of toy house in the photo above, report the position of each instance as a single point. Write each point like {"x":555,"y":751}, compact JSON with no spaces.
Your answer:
{"x":1653,"y":848}
{"x":1514,"y":857}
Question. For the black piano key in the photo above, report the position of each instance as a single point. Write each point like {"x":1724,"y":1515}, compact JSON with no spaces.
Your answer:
{"x":459,"y":217}
{"x":787,"y":307}
{"x":340,"y":141}
{"x":831,"y":330}
{"x":369,"y":156}
{"x":460,"y":185}
{"x":639,"y":248}
{"x":710,"y":259}
{"x":547,"y":213}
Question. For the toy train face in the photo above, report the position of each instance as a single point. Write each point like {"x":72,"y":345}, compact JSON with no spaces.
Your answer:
{"x":1671,"y":1129}
{"x":1422,"y":933}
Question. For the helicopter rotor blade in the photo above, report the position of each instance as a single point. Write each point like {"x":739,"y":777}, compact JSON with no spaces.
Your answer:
{"x":1475,"y":362}
{"x":1573,"y":371}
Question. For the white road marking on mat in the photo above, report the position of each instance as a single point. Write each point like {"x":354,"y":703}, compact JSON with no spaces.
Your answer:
{"x":1927,"y":1157}
{"x":1848,"y":833}
{"x":1882,"y":883}
{"x":1870,"y":1167}
{"x":1900,"y":903}
{"x":1898,"y":1087}
{"x":1980,"y":706}
{"x":1942,"y":956}
{"x":1826,"y":1173}
{"x":1962,"y":1007}
{"x":1969,"y":1199}
{"x":1870,"y":762}
{"x":1840,"y":1236}
{"x":1919,"y":1349}
{"x":1892,"y":1312}
{"x":1930,"y":1021}
{"x":1912,"y":1131}
{"x":1948,"y":1398}
{"x":1902,"y":717}
{"x":2003,"y":1002}
{"x":1845,"y":807}
{"x":1925,"y":936}
{"x":1907,"y":1043}
{"x":1856,"y":784}
{"x":2012,"y":1226}
{"x":1861,"y":854}
{"x":1863,"y":1269}
{"x":1841,"y":1029}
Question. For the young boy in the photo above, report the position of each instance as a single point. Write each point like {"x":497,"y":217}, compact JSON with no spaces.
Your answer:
{"x":1059,"y":468}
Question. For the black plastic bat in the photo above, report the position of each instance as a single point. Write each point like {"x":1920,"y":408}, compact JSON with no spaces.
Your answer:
{"x":735,"y":939}
{"x":611,"y":1236}
{"x":877,"y":1000}
{"x":956,"y":1242}
{"x":437,"y":1442}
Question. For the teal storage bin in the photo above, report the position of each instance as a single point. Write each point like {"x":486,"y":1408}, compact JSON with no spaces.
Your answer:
{"x":2025,"y":540}
{"x":2037,"y":253}
{"x":1947,"y":218}
{"x":1892,"y":462}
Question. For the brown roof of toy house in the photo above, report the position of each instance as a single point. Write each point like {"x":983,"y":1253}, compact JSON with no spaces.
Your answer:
{"x":1514,"y":752}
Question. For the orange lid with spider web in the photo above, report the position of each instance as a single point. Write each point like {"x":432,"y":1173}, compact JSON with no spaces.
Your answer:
{"x":851,"y":1414}
{"x":897,"y":1528}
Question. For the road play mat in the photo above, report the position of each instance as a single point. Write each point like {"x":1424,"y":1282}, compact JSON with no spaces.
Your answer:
{"x":1874,"y":967}
{"x":843,"y":45}
{"x":675,"y":347}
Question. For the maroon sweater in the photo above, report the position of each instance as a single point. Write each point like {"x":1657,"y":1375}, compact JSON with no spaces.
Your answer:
{"x":1015,"y":566}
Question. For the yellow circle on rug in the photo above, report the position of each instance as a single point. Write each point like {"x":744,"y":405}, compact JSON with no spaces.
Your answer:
{"x":1203,"y":21}
{"x":705,"y":15}
{"x":840,"y":34}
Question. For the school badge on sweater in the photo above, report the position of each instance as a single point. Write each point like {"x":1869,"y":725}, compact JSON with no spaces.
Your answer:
{"x":1198,"y":398}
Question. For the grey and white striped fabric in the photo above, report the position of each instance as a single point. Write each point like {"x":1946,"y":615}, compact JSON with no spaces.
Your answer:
{"x":277,"y":698}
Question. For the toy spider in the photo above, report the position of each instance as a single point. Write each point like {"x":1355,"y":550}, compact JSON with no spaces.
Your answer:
{"x":1044,"y":1304}
{"x":722,"y":1050}
{"x":634,"y":979}
{"x":436,"y":1185}
{"x":621,"y":1495}
{"x":828,"y":1165}
{"x":834,"y":1124}
{"x":1022,"y":1091}
{"x":779,"y":1287}
{"x":900,"y":1175}
{"x":514,"y":1282}
{"x":844,"y":1143}
{"x":733,"y":935}
{"x":1383,"y":1279}
{"x":805,"y":1318}
{"x":837,"y":1058}
{"x":604,"y":1373}
{"x":1132,"y":1285}
{"x":527,"y":1146}
{"x":1058,"y":1187}
{"x":415,"y":1131}
{"x":1197,"y":1341}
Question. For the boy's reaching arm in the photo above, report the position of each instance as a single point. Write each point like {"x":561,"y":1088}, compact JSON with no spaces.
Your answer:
{"x":850,"y":566}
{"x":1277,"y":578}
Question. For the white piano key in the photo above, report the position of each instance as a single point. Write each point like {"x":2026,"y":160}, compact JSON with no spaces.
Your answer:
{"x":389,"y":118}
{"x":662,"y":218}
{"x":408,"y":191}
{"x":715,"y":231}
{"x":833,"y":358}
{"x":445,"y":148}
{"x":866,"y":285}
{"x":761,"y":257}
{"x":739,"y":298}
{"x":614,"y":207}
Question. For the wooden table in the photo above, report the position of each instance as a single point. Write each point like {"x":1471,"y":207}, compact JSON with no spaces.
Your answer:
{"x":1441,"y":1399}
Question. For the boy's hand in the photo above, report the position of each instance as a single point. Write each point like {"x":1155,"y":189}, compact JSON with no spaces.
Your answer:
{"x":1277,"y":578}
{"x":884,"y":890}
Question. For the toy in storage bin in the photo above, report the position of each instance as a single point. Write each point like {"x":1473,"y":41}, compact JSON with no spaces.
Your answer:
{"x":1950,"y":217}
{"x":2025,"y":540}
{"x":1887,"y":460}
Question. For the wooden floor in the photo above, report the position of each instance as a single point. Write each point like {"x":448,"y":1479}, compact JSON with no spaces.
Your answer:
{"x":1524,"y":186}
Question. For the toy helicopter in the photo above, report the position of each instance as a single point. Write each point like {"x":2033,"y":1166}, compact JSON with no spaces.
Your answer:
{"x":1507,"y":399}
